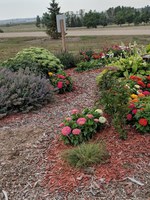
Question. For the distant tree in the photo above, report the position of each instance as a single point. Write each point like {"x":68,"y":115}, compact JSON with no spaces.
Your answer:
{"x":120,"y":18}
{"x":103,"y":20}
{"x":49,"y":20}
{"x":145,"y":17}
{"x":91,"y":19}
{"x":38,"y":21}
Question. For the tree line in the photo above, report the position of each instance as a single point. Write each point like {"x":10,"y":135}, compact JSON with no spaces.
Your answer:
{"x":119,"y":15}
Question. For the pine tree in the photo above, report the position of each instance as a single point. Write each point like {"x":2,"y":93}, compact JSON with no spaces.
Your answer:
{"x":49,"y":20}
{"x":38,"y":21}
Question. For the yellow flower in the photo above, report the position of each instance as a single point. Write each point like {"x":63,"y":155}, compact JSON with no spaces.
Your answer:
{"x":134,"y":96}
{"x":50,"y":73}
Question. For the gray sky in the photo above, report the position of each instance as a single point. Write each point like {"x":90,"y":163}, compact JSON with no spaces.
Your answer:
{"x":31,"y":8}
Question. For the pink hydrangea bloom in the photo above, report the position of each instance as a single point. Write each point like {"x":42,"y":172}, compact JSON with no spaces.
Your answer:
{"x":129,"y":117}
{"x":81,"y":121}
{"x":60,"y":84}
{"x":76,"y":131}
{"x":66,"y":130}
{"x":74,"y":111}
{"x":90,"y":116}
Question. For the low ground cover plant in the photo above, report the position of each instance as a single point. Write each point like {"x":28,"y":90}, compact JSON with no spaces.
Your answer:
{"x":86,"y":155}
{"x":38,"y":60}
{"x":22,"y":91}
{"x":61,"y":80}
{"x":80,"y":127}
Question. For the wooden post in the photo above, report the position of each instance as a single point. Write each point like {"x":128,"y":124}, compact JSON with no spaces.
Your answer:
{"x":63,"y":35}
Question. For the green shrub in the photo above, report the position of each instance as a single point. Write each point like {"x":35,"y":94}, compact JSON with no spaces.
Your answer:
{"x":86,"y":155}
{"x":114,"y":97}
{"x":22,"y":91}
{"x":1,"y":31}
{"x":38,"y":60}
{"x":133,"y":65}
{"x":68,"y":59}
{"x":81,"y":127}
{"x":62,"y":81}
{"x":85,"y":66}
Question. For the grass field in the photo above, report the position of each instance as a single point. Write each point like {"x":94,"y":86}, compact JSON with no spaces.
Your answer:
{"x":10,"y":46}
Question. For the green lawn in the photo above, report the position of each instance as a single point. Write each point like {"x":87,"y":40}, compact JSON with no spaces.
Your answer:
{"x":10,"y":46}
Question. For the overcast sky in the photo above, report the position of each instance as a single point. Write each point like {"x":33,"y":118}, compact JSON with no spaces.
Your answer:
{"x":31,"y":8}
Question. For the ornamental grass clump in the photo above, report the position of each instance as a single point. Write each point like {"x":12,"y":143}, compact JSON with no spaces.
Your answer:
{"x":81,"y":127}
{"x":22,"y":91}
{"x":86,"y":155}
{"x":61,"y":80}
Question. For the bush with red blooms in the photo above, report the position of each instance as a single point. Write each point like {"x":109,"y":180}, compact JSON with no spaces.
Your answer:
{"x":61,"y":80}
{"x":139,"y":115}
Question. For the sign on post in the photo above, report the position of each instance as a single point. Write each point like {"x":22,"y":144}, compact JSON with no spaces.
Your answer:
{"x":61,"y":28}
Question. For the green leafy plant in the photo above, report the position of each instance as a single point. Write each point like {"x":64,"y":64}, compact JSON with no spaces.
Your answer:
{"x":22,"y":91}
{"x":86,"y":155}
{"x":81,"y":127}
{"x":62,"y":81}
{"x":93,"y":64}
{"x":38,"y":60}
{"x":114,"y":96}
{"x":68,"y":59}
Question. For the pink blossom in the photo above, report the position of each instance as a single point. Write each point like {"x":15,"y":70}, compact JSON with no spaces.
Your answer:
{"x":61,"y":76}
{"x":146,"y":93}
{"x":66,"y":130}
{"x":134,"y":111}
{"x":76,"y":131}
{"x":61,"y":125}
{"x":68,"y":118}
{"x":96,"y":120}
{"x":81,"y":121}
{"x":74,"y":111}
{"x":60,"y":84}
{"x":131,"y":105}
{"x":129,"y":117}
{"x":90,"y":116}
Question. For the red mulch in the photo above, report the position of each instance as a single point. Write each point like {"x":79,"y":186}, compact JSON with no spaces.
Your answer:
{"x":127,"y":157}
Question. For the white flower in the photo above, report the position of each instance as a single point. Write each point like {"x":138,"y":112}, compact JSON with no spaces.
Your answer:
{"x":137,"y":86}
{"x":99,"y":111}
{"x":102,"y":120}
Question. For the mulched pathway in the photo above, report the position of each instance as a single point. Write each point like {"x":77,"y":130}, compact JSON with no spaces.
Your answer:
{"x":42,"y":175}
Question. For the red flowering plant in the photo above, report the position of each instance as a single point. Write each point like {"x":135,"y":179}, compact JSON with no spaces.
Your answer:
{"x":139,"y":115}
{"x":80,"y":127}
{"x":61,"y":80}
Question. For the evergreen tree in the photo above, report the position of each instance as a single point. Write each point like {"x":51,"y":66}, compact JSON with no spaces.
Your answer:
{"x":49,"y":20}
{"x":38,"y":21}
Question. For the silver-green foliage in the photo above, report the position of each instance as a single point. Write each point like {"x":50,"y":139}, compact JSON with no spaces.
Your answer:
{"x":22,"y":91}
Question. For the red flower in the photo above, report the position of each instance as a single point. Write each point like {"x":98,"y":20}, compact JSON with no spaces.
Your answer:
{"x":148,"y":85}
{"x":143,"y":122}
{"x":148,"y":77}
{"x":134,"y":111}
{"x":60,"y":84}
{"x":141,"y":84}
{"x":146,"y":93}
{"x":61,"y":76}
{"x":129,"y":117}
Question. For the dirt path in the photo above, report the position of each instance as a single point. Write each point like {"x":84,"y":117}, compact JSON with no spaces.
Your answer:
{"x":141,"y":30}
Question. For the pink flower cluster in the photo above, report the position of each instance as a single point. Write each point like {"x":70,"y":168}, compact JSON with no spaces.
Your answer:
{"x":81,"y":121}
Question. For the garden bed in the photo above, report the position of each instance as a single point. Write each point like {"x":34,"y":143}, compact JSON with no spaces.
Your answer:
{"x":29,"y":162}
